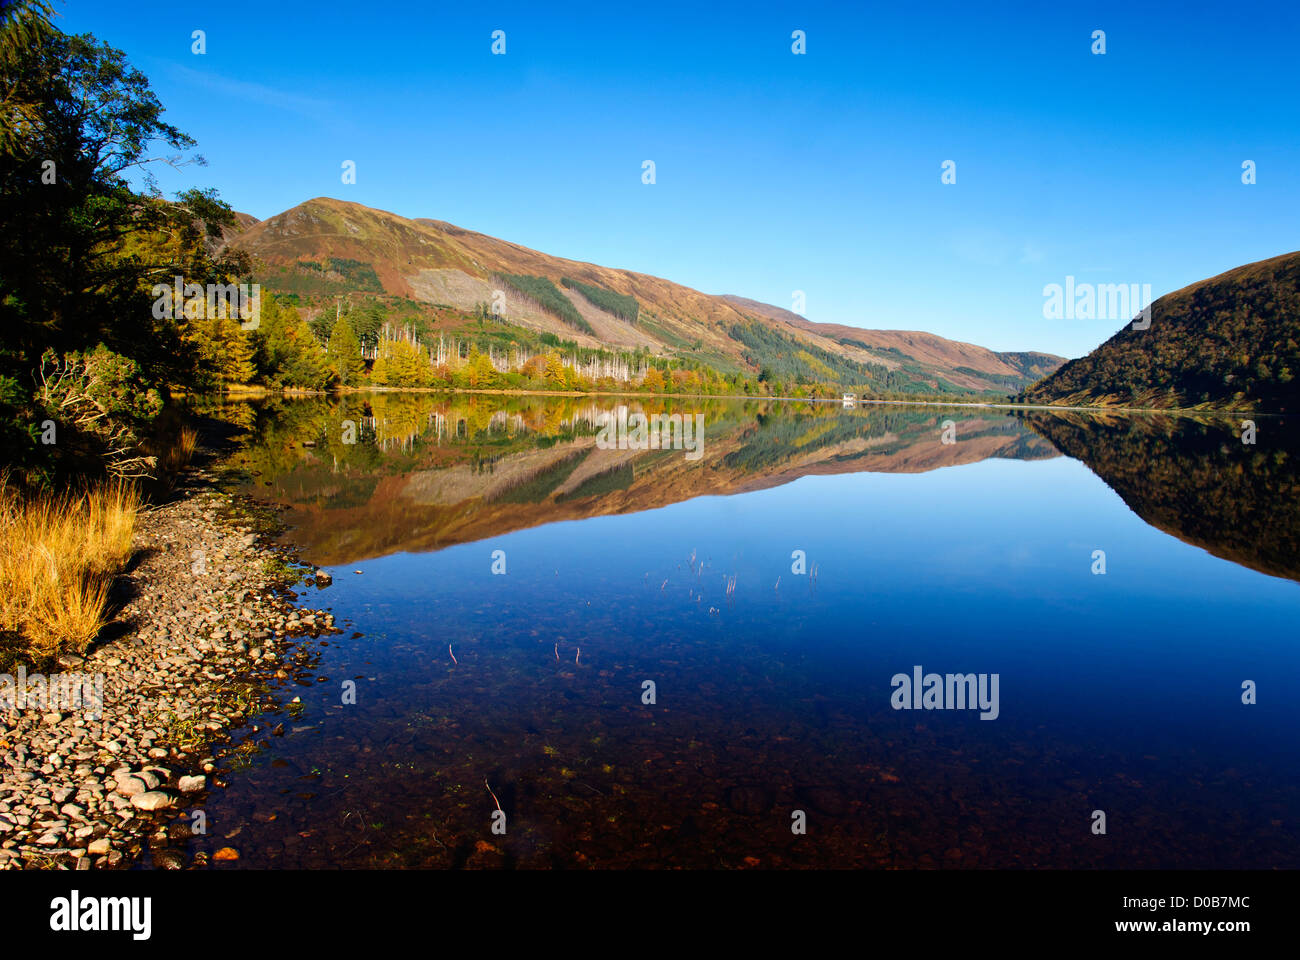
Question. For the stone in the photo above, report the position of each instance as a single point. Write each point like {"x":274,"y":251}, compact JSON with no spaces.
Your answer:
{"x":152,"y":800}
{"x":130,"y":786}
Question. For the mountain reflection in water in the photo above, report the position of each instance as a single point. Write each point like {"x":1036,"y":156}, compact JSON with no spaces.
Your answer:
{"x":427,"y":472}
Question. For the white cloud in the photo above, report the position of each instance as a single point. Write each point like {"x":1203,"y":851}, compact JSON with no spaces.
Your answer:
{"x":313,"y":107}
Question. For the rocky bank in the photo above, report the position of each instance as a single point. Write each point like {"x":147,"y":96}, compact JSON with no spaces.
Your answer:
{"x":205,"y":638}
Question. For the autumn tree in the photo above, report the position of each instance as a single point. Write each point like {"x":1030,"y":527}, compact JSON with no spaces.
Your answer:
{"x":479,"y":372}
{"x":555,"y":371}
{"x":345,"y":353}
{"x":287,"y":352}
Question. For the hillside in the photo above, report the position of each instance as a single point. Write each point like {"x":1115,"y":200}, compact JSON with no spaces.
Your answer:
{"x":1229,"y":342}
{"x":965,"y":365}
{"x":327,"y":248}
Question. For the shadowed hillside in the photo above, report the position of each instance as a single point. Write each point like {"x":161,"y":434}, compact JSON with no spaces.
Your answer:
{"x":1230,"y":342}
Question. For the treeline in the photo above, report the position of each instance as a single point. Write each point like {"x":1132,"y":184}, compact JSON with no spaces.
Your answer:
{"x":620,"y":305}
{"x":788,"y":364}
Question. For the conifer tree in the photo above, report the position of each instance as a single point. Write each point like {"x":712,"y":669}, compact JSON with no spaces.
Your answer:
{"x":345,"y":353}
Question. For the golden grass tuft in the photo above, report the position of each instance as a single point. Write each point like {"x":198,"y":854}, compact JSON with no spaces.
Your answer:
{"x":173,"y":451}
{"x":186,"y":443}
{"x":58,"y":557}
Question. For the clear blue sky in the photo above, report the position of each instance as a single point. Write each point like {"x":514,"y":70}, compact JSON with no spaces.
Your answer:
{"x":775,"y":172}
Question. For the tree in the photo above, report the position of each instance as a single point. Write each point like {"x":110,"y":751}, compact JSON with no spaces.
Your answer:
{"x":654,"y":380}
{"x":555,"y":370}
{"x":480,"y":373}
{"x":24,"y":24}
{"x":366,"y":321}
{"x":92,"y":119}
{"x":287,"y":353}
{"x":234,"y":363}
{"x":345,"y":353}
{"x":76,"y":119}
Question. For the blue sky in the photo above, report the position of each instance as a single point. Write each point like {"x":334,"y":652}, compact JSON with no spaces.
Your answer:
{"x":775,"y":172}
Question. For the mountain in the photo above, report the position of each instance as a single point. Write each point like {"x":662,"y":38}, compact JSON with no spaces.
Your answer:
{"x":326,"y":248}
{"x":965,"y":365}
{"x":1229,"y":342}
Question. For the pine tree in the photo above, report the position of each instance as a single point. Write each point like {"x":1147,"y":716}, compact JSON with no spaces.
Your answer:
{"x":304,"y":363}
{"x":345,"y":353}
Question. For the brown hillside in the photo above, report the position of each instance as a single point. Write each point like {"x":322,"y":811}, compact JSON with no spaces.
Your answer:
{"x":440,"y":263}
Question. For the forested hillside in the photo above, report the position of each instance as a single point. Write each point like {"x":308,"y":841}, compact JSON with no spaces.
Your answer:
{"x":1229,"y":342}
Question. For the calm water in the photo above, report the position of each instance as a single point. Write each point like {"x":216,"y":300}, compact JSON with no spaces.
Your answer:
{"x":1119,"y":692}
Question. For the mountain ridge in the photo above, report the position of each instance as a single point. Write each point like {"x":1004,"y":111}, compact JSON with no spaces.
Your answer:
{"x":336,"y":247}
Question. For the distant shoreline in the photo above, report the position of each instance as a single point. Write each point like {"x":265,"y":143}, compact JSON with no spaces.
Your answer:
{"x":243,"y":392}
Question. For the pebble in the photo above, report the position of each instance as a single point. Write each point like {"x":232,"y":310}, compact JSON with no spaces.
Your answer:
{"x":152,"y":800}
{"x":77,"y":788}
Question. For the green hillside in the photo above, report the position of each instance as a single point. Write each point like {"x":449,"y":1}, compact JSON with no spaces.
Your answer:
{"x":1230,"y":342}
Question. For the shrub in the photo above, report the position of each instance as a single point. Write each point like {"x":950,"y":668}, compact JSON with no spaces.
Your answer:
{"x":96,"y":401}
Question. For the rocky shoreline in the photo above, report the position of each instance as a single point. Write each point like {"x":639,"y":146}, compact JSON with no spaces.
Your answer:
{"x":207,"y":630}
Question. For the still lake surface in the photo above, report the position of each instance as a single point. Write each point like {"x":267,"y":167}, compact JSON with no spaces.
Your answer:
{"x":1119,"y":692}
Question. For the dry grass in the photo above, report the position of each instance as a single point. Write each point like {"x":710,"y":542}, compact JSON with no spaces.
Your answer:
{"x":175,"y":452}
{"x":58,"y":558}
